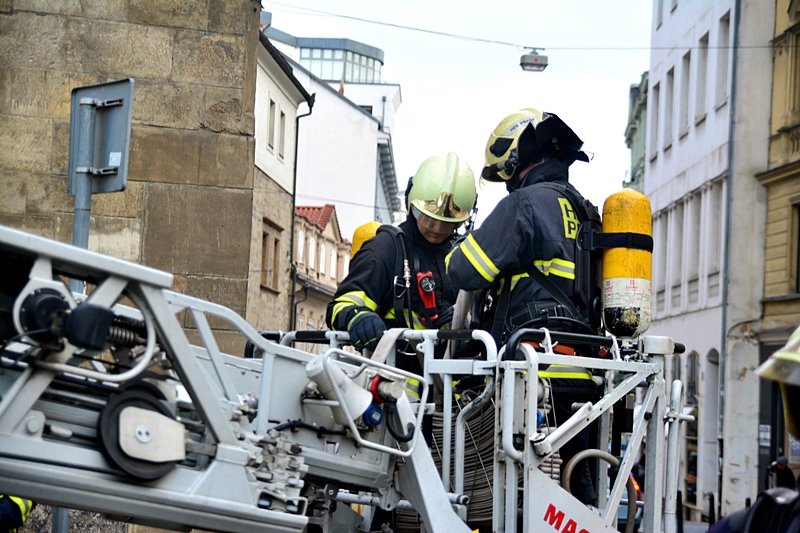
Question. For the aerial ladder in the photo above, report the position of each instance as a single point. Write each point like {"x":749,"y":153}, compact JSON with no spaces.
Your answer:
{"x":122,"y":401}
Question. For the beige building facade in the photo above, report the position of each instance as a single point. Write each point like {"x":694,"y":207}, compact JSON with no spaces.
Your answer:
{"x":322,"y":257}
{"x":781,"y":302}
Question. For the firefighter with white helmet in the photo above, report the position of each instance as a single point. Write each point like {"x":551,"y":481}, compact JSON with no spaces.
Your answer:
{"x":397,"y":278}
{"x":375,"y":295}
{"x":776,"y":510}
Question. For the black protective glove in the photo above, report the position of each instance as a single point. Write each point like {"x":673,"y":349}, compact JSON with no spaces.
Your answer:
{"x":365,"y":330}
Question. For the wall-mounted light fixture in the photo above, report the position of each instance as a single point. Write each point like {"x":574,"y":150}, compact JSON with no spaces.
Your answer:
{"x":533,"y":61}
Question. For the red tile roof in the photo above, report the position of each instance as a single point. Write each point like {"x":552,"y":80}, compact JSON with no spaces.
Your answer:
{"x":319,"y":215}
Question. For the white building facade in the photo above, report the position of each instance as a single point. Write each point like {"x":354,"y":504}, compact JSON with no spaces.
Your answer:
{"x":710,"y":68}
{"x":345,"y":154}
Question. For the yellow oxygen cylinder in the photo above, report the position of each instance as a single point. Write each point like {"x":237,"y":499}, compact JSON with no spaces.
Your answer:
{"x":362,"y":234}
{"x":627,"y":272}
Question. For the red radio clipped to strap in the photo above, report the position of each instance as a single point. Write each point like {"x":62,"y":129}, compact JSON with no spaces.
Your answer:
{"x":427,"y":293}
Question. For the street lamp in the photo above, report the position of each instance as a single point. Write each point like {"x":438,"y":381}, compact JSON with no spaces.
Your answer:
{"x":532,"y":61}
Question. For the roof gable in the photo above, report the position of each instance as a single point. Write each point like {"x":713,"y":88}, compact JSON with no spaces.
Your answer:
{"x":320,"y":216}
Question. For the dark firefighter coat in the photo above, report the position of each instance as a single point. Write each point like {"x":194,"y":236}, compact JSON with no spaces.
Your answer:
{"x":376,"y":278}
{"x":14,"y":512}
{"x":533,"y":227}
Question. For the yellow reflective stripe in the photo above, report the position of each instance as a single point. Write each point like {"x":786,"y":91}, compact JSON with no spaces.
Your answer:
{"x":515,"y":278}
{"x":415,"y":317}
{"x":562,"y":268}
{"x":565,"y":372}
{"x":557,"y":267}
{"x":478,"y":258}
{"x":350,"y":299}
{"x":24,"y":506}
{"x":413,"y":387}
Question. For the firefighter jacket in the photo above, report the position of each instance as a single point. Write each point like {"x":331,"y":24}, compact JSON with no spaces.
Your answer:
{"x":14,"y":512}
{"x":534,"y":226}
{"x":375,"y":281}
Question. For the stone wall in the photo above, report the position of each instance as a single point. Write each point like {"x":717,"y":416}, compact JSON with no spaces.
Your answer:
{"x":189,"y":199}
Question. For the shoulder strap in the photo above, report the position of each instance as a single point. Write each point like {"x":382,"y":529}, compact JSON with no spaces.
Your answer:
{"x":401,"y":284}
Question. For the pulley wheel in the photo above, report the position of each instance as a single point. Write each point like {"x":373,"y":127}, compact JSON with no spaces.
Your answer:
{"x":108,"y":429}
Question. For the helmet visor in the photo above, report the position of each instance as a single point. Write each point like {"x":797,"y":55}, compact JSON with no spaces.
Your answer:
{"x":443,"y":207}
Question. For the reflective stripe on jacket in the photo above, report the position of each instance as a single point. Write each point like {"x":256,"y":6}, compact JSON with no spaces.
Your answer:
{"x":373,"y":280}
{"x":14,"y":511}
{"x":531,"y":227}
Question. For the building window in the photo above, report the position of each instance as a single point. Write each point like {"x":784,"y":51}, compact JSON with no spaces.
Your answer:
{"x":660,"y":240}
{"x":323,"y":256}
{"x":717,"y":219}
{"x":676,"y":254}
{"x":686,"y":68}
{"x":692,"y":362}
{"x":669,"y":89}
{"x":271,"y":125}
{"x":693,"y":248}
{"x":334,"y":263}
{"x":654,"y":121}
{"x":312,"y":253}
{"x":270,"y":255}
{"x":300,"y":249}
{"x":723,"y":55}
{"x":702,"y":76}
{"x":282,"y":136}
{"x":338,"y":65}
{"x":794,"y":247}
{"x":659,"y":13}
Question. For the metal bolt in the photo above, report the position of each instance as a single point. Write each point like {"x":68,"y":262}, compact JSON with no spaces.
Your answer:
{"x":33,"y":425}
{"x":143,"y":434}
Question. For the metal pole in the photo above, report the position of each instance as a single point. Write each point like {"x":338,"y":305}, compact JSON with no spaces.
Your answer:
{"x":80,"y":228}
{"x":83,"y":181}
{"x":60,"y":520}
{"x":671,"y":490}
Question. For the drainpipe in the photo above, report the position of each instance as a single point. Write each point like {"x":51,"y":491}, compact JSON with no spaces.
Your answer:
{"x":383,"y":113}
{"x":292,"y":255}
{"x":726,"y":241}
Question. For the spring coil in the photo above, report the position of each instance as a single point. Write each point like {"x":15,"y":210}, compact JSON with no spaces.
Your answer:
{"x":120,"y":336}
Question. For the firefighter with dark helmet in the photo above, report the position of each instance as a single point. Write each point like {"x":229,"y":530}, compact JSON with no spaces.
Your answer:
{"x":524,"y":254}
{"x":530,"y":235}
{"x":776,"y":510}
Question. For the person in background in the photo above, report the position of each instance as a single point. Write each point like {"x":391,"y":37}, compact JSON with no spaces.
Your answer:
{"x":784,"y":477}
